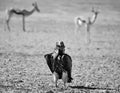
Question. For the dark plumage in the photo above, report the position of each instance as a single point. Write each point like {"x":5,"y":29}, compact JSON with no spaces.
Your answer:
{"x":60,"y":66}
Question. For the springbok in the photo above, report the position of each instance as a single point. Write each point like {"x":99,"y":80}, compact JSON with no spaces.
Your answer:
{"x":88,"y":22}
{"x":24,"y":13}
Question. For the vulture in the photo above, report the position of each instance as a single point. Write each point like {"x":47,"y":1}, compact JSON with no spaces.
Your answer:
{"x":60,"y":67}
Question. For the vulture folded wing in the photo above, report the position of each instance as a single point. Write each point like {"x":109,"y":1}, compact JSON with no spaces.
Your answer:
{"x":49,"y":61}
{"x":67,"y":65}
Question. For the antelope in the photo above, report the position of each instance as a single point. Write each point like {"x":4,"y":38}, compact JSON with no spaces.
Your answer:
{"x":88,"y":22}
{"x":24,"y":13}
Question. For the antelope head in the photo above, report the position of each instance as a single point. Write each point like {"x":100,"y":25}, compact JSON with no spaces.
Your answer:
{"x":36,"y":6}
{"x":95,"y":11}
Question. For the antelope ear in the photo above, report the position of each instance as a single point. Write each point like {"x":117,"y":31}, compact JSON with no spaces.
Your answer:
{"x":93,"y":9}
{"x":35,"y":2}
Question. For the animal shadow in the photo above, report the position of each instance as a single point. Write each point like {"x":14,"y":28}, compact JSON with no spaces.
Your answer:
{"x":92,"y":88}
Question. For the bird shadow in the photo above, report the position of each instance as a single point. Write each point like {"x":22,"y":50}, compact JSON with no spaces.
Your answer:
{"x":89,"y":88}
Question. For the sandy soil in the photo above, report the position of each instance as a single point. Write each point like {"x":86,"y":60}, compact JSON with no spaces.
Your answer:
{"x":96,"y":67}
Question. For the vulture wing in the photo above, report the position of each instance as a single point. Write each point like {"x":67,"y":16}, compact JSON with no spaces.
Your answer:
{"x":49,"y":60}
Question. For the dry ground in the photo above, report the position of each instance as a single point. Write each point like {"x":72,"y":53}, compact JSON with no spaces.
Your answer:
{"x":96,"y":67}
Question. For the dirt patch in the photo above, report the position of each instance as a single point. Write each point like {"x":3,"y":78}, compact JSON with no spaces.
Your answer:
{"x":22,"y":73}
